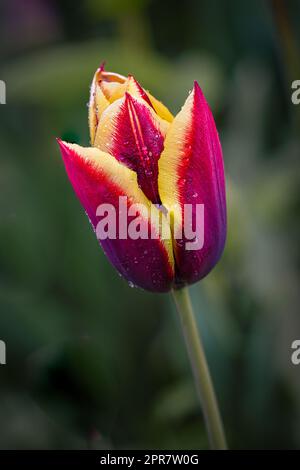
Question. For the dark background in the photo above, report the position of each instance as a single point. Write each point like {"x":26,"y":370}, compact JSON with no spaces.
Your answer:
{"x":92,"y":363}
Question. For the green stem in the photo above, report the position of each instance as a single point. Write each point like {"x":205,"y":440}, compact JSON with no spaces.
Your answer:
{"x":200,"y":369}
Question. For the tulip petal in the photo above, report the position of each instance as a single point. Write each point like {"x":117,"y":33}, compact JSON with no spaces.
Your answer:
{"x":97,"y":104}
{"x":191,"y":172}
{"x":107,"y":87}
{"x":136,"y":90}
{"x":116,"y":90}
{"x":131,"y":131}
{"x":160,"y":108}
{"x":114,"y":86}
{"x":98,"y":178}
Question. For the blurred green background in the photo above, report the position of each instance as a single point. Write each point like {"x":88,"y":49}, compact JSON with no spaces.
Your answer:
{"x":92,"y":363}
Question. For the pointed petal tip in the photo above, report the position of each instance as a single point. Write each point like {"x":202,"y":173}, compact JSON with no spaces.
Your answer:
{"x":194,"y":94}
{"x":102,"y":66}
{"x":129,"y":99}
{"x":65,"y":149}
{"x":135,"y":87}
{"x":127,"y":96}
{"x":131,"y":78}
{"x":62,"y":144}
{"x":198,"y":92}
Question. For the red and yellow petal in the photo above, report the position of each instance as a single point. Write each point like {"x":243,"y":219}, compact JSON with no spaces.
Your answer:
{"x":116,"y":90}
{"x":191,"y":172}
{"x":130,"y":130}
{"x":108,"y":87}
{"x":98,"y":178}
{"x":135,"y":89}
{"x":160,"y":109}
{"x":97,"y":104}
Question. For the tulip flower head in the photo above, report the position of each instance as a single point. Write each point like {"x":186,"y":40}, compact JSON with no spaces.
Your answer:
{"x":151,"y":184}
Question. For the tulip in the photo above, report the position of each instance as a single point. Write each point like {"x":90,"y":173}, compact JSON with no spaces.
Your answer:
{"x":148,"y":167}
{"x":140,"y":151}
